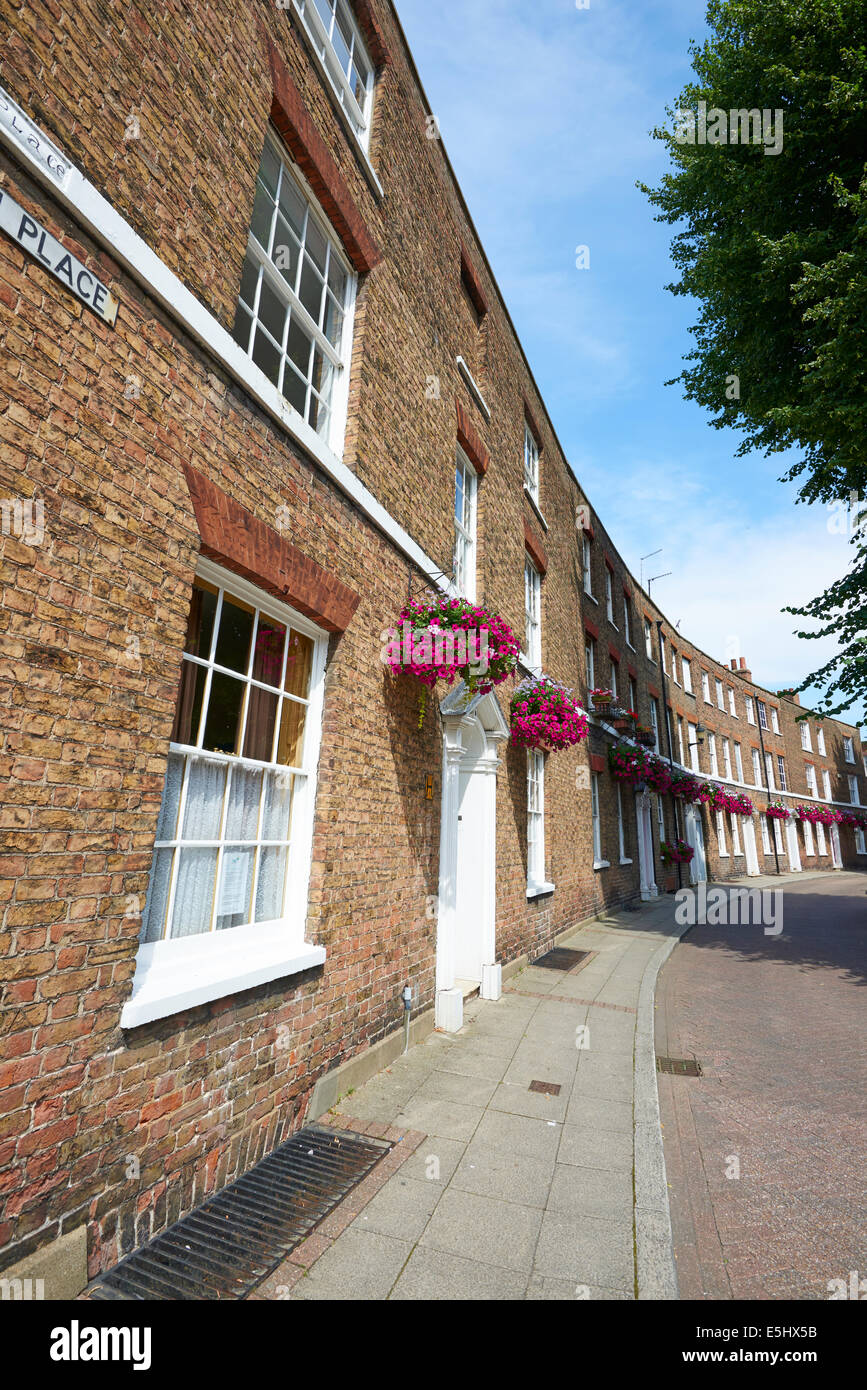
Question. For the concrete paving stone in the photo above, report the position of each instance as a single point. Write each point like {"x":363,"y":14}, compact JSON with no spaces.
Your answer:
{"x":589,"y":1112}
{"x":595,"y":1192}
{"x":540,"y":1289}
{"x":484,"y":1229}
{"x":539,"y":1064}
{"x":598,"y":1085}
{"x":596,"y":1148}
{"x":402,"y":1208}
{"x":446,"y":1117}
{"x":360,"y":1265}
{"x":447,"y":1154}
{"x":516,"y":1099}
{"x":490,"y":1045}
{"x":438,"y":1277}
{"x":377,"y":1105}
{"x":596,"y":1062}
{"x":586,"y":1249}
{"x":449,"y":1085}
{"x":509,"y":1177}
{"x":519,"y":1134}
{"x":463,"y":1062}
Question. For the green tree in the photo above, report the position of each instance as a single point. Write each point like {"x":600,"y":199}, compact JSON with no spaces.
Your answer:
{"x":773,"y":246}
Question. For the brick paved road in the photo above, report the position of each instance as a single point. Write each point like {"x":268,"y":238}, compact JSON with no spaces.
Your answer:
{"x":779,"y":1025}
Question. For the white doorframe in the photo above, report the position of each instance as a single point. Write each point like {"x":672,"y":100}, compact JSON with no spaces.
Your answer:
{"x":644,"y":827}
{"x":792,"y":847}
{"x":750,"y":849}
{"x":460,"y":716}
{"x":836,"y":855}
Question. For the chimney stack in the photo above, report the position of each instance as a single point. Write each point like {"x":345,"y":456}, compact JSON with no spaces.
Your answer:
{"x":745,"y":670}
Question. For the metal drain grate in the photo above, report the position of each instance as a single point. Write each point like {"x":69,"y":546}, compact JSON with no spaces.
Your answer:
{"x":229,"y":1244}
{"x":547,"y":1088}
{"x":561,"y":958}
{"x":678,"y":1066}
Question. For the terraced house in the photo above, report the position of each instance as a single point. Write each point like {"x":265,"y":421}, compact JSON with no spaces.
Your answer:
{"x":259,"y":391}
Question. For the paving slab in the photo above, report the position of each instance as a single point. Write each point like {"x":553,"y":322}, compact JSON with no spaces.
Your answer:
{"x":472,"y":1226}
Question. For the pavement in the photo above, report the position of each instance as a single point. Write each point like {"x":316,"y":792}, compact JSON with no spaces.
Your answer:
{"x":497,"y":1191}
{"x":766,"y":1152}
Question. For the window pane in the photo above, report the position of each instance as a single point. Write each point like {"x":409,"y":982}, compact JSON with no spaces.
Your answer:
{"x":260,"y":223}
{"x":294,"y":389}
{"x":322,"y":374}
{"x":316,"y":245}
{"x":292,"y":206}
{"x":272,"y":312}
{"x":194,"y":895}
{"x":167,"y":823}
{"x":337,"y":280}
{"x":241,"y":327}
{"x":326,"y":10}
{"x":268,"y":653}
{"x":200,"y":623}
{"x":206,"y":784}
{"x":277,"y":813}
{"x":332,"y":326}
{"x":290,"y":745}
{"x":285,"y":252}
{"x":318,"y":416}
{"x":189,"y":709}
{"x":249,"y":280}
{"x":261,"y":719}
{"x":310,"y":290}
{"x":158,"y":894}
{"x":341,"y":38}
{"x":236,"y":632}
{"x":244,"y":796}
{"x":299,"y":664}
{"x":298,"y":345}
{"x":271,"y":886}
{"x":270,"y":170}
{"x":236,"y":887}
{"x":266,"y":356}
{"x":223,"y":723}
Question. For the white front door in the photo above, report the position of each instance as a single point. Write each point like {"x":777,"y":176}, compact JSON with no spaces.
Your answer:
{"x":750,"y":850}
{"x":472,"y":888}
{"x":644,"y":826}
{"x":792,"y":847}
{"x":695,"y":837}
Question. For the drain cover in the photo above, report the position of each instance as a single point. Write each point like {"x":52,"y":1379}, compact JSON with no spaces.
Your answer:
{"x":547,"y":1088}
{"x":678,"y":1066}
{"x":231,"y":1242}
{"x":561,"y":958}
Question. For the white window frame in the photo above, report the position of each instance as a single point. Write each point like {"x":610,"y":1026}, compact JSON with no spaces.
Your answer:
{"x":757,"y":768}
{"x":627,"y":623}
{"x":674,"y":665}
{"x":596,"y":814}
{"x":720,"y":696}
{"x":266,"y":271}
{"x":531,"y":464}
{"x":654,"y":723}
{"x":781,"y":773}
{"x":766,"y":835}
{"x":736,"y":834}
{"x":615,"y":667}
{"x":763,"y":713}
{"x":712,"y":754}
{"x":732,"y":705}
{"x":809,"y":845}
{"x":660,"y":816}
{"x":854,"y":792}
{"x":648,"y":640}
{"x":621,"y":827}
{"x":806,"y":741}
{"x":849,"y":750}
{"x":536,"y":881}
{"x":705,"y":688}
{"x":775,"y":720}
{"x":860,"y":847}
{"x":693,"y":746}
{"x":826,"y":783}
{"x":466,"y":528}
{"x":778,"y":835}
{"x":820,"y":741}
{"x":739,"y":762}
{"x":609,"y":597}
{"x":820,"y":838}
{"x":721,"y":835}
{"x":533,"y":613}
{"x":810,"y":776}
{"x":751,"y":713}
{"x":686,"y":668}
{"x":358,"y":113}
{"x":590,"y":660}
{"x":769,"y":772}
{"x":587,"y":557}
{"x":727,"y":759}
{"x":176,"y":973}
{"x":680,"y":746}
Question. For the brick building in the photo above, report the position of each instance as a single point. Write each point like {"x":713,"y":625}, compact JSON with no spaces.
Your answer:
{"x":258,"y":388}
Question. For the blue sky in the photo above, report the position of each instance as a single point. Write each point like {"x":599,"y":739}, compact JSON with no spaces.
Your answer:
{"x":546,"y":111}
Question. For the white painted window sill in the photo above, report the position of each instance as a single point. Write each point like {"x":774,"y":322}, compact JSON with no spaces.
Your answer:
{"x":535,"y":505}
{"x":537,"y":890}
{"x":601,"y":864}
{"x":587,"y":594}
{"x":626,"y":861}
{"x":474,"y":388}
{"x":172,"y":976}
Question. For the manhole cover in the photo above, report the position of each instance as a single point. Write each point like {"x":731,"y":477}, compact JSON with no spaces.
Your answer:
{"x":678,"y":1066}
{"x":547,"y":1088}
{"x":561,"y":958}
